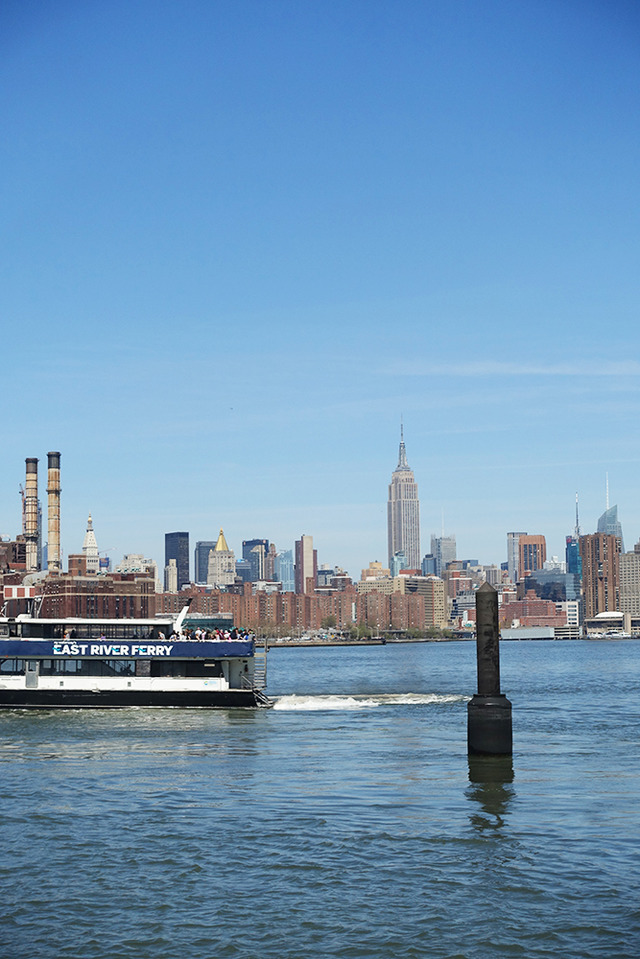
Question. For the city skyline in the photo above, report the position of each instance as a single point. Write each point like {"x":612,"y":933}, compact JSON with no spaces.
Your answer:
{"x":177,"y":544}
{"x":239,"y":247}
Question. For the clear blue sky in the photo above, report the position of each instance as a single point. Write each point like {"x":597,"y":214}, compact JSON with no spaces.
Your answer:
{"x":241,"y":239}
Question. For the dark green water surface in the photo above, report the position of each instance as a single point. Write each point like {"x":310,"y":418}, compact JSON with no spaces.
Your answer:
{"x":346,"y":822}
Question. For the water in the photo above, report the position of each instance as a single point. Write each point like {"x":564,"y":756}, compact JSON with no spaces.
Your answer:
{"x":346,"y":822}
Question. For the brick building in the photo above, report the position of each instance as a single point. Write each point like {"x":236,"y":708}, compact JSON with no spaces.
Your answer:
{"x":531,"y":611}
{"x":118,"y":596}
{"x":532,"y":553}
{"x":13,"y":554}
{"x":403,"y":609}
{"x":600,"y":554}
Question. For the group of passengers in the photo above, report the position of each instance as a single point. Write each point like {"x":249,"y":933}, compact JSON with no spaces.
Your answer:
{"x":210,"y":635}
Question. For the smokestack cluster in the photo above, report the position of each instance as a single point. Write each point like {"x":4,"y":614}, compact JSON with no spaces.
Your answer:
{"x":53,"y":491}
{"x":31,"y":514}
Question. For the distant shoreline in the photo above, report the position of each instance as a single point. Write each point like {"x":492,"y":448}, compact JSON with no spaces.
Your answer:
{"x":273,"y":644}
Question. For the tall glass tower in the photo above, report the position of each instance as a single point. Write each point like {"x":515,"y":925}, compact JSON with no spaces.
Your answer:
{"x":403,"y":511}
{"x":176,"y":546}
{"x":610,"y":524}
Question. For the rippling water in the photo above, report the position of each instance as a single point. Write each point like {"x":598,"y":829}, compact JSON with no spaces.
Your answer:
{"x":346,"y":822}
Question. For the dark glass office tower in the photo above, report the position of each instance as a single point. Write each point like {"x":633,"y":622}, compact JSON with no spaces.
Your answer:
{"x":176,"y":546}
{"x":201,"y":557}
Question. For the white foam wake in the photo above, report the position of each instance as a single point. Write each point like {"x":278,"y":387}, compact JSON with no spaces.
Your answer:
{"x":363,"y":702}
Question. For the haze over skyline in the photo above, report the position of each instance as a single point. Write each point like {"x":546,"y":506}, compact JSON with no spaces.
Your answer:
{"x":241,"y":240}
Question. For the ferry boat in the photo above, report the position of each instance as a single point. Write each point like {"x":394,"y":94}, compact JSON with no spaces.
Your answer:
{"x":79,"y":663}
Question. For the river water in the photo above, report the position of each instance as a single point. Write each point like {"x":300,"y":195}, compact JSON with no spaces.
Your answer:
{"x":346,"y":822}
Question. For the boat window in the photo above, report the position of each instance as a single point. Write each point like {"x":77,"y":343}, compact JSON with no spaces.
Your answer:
{"x":185,"y":668}
{"x":167,"y":667}
{"x":88,"y":667}
{"x":123,"y":667}
{"x":199,"y":668}
{"x":12,"y":666}
{"x":51,"y":667}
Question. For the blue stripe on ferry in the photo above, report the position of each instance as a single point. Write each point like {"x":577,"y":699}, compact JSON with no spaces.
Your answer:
{"x":106,"y":649}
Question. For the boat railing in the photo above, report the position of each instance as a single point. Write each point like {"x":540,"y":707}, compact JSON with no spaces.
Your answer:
{"x":260,"y":662}
{"x":258,"y":679}
{"x":261,"y":698}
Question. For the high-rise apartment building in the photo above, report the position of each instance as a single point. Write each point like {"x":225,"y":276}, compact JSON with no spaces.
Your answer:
{"x":403,"y":512}
{"x":201,"y":559}
{"x":630,"y":583}
{"x":306,"y":567}
{"x":176,"y":546}
{"x":600,"y":554}
{"x":532,"y":553}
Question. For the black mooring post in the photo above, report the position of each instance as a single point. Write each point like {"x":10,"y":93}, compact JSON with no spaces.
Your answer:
{"x":489,"y":711}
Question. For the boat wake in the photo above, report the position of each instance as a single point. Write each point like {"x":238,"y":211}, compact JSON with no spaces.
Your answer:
{"x":364,"y":702}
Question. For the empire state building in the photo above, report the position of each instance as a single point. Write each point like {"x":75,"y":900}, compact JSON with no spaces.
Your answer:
{"x":403,"y":511}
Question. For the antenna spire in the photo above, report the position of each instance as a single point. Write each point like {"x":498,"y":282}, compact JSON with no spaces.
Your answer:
{"x":577,"y":520}
{"x":402,"y":454}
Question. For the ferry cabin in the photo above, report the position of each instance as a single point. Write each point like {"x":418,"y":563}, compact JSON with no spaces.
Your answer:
{"x":79,"y":663}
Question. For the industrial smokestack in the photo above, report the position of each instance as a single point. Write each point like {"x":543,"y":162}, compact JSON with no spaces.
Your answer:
{"x":53,"y":491}
{"x":31,"y":514}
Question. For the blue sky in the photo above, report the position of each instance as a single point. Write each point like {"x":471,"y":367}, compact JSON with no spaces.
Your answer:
{"x":241,"y":239}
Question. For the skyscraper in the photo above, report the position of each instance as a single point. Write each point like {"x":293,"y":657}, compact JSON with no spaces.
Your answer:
{"x":171,"y":577}
{"x":630,"y":583}
{"x":222,"y":564}
{"x":572,"y":549}
{"x":532,"y":552}
{"x":513,"y":540}
{"x":285,"y":570}
{"x":255,"y":552}
{"x":443,"y":548}
{"x":403,"y":511}
{"x":600,"y":554}
{"x":201,"y":559}
{"x":176,"y":546}
{"x":610,"y":524}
